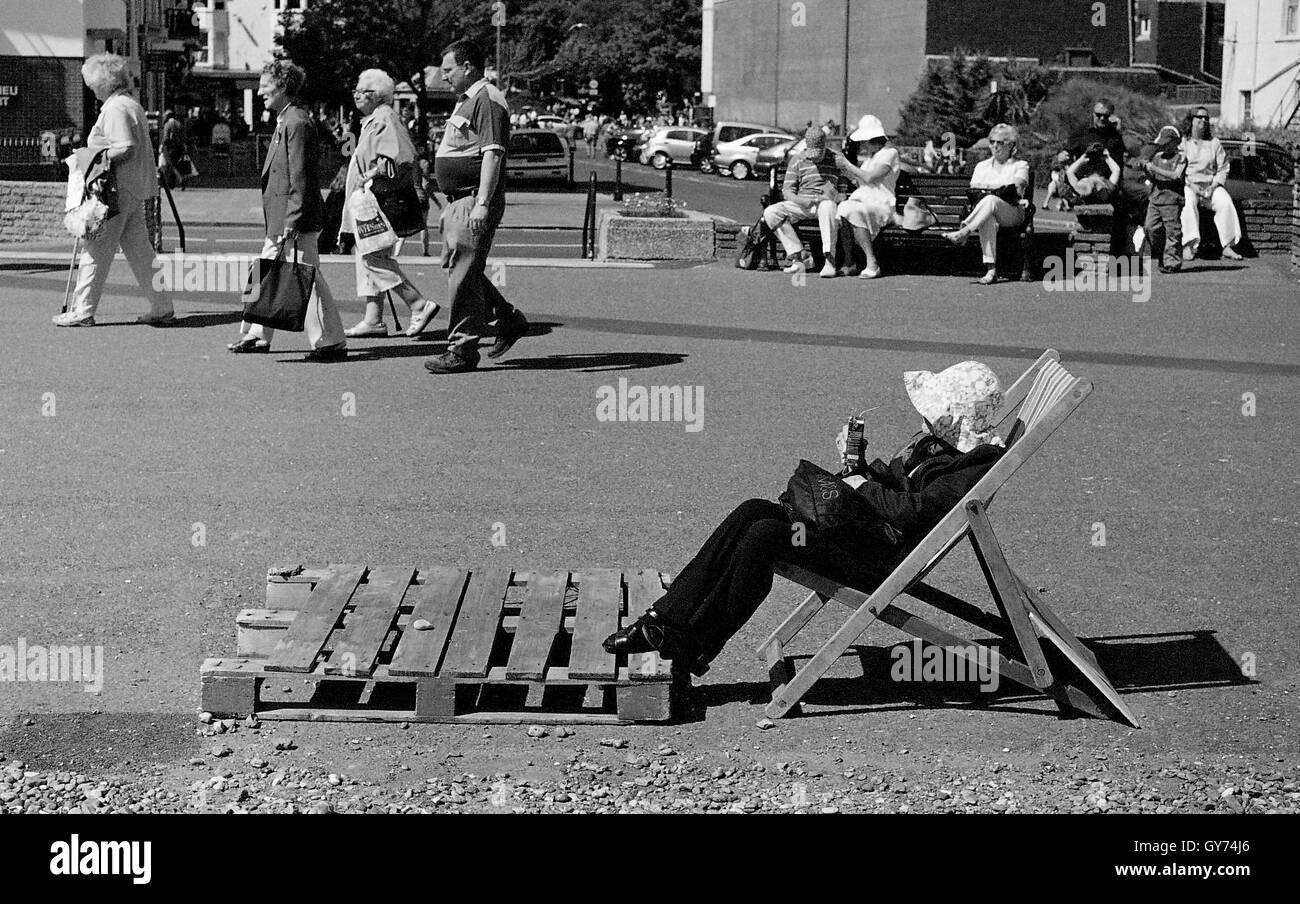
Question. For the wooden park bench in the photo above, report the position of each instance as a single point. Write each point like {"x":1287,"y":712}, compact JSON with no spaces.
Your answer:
{"x":945,"y":195}
{"x":400,"y":644}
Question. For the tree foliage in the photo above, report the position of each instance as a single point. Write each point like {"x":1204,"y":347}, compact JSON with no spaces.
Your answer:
{"x":955,"y":96}
{"x":633,"y":50}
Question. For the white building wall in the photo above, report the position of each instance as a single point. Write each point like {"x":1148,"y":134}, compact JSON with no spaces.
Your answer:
{"x":1260,"y":57}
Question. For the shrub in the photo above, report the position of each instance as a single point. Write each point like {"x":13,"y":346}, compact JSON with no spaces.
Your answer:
{"x":653,"y":204}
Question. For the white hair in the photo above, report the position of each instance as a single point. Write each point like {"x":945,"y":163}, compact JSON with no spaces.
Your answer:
{"x":106,"y":72}
{"x":1006,"y":133}
{"x":380,"y":82}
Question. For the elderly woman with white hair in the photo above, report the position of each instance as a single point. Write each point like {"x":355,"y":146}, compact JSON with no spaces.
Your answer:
{"x":384,"y":148}
{"x":122,"y":133}
{"x":1004,"y":182}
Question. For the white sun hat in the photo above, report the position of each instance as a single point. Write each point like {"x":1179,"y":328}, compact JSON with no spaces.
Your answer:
{"x":869,"y":127}
{"x":960,"y":402}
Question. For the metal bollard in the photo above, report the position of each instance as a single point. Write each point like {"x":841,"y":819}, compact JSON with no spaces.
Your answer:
{"x":668,"y":178}
{"x":618,"y":178}
{"x":572,"y":149}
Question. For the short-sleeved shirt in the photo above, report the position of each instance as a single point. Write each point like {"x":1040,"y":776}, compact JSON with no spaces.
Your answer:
{"x":122,"y":123}
{"x":382,"y":135}
{"x":805,"y":178}
{"x":480,"y":123}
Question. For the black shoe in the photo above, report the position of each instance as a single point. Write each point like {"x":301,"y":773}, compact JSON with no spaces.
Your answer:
{"x":249,"y":347}
{"x":508,"y":334}
{"x":651,"y":633}
{"x":451,"y":363}
{"x":328,"y":353}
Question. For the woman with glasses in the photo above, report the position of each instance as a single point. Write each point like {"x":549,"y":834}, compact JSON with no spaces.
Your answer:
{"x":384,"y":148}
{"x":1003,"y":181}
{"x":1203,"y":188}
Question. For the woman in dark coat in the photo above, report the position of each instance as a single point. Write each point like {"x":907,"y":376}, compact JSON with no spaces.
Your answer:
{"x":731,"y":575}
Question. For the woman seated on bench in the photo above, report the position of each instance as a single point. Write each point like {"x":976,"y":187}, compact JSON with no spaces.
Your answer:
{"x":1004,"y":182}
{"x":731,"y":575}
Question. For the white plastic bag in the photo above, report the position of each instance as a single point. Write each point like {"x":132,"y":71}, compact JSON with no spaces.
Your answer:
{"x":369,"y":225}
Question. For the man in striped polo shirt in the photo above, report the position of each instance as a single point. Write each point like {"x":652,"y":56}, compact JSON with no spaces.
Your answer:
{"x":811,"y":192}
{"x":470,"y":169}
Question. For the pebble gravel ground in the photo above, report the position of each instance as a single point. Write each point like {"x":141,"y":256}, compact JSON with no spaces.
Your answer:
{"x":247,"y":767}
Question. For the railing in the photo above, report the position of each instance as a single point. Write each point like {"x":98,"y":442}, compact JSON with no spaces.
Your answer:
{"x":20,"y":150}
{"x":589,"y":221}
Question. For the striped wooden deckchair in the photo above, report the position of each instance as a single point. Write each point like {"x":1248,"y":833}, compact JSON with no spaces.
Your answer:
{"x":1041,"y":400}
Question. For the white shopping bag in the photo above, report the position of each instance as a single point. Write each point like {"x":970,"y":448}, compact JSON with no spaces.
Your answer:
{"x":369,"y":225}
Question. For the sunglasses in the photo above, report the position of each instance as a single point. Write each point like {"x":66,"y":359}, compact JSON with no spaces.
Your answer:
{"x":363,"y":93}
{"x":1198,"y":116}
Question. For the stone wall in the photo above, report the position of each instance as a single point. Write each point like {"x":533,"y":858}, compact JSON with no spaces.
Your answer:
{"x":31,"y":211}
{"x":1267,"y":224}
{"x":1295,"y":218}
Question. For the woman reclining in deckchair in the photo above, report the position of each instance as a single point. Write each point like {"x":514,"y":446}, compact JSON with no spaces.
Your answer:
{"x":731,"y":575}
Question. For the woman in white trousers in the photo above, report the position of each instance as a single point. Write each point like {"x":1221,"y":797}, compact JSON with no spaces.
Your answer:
{"x":122,"y":131}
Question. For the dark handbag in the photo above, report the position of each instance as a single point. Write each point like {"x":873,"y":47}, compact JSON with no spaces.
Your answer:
{"x":835,"y":510}
{"x":753,"y":246}
{"x":400,"y":203}
{"x":1008,"y":193}
{"x":282,"y":289}
{"x":101,"y":182}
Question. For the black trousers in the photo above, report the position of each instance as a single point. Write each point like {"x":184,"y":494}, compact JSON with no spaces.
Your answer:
{"x":731,"y":575}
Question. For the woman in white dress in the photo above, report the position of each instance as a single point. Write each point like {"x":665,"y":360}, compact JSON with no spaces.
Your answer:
{"x":872,"y":205}
{"x":1006,"y":181}
{"x":384,"y":148}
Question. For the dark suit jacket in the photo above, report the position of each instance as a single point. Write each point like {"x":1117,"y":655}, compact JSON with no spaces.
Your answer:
{"x":291,"y":196}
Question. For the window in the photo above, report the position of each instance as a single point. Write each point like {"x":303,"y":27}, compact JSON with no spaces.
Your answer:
{"x":535,"y":143}
{"x":1291,"y":17}
{"x":1144,"y":28}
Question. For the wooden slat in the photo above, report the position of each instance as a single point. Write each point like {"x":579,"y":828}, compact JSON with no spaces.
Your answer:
{"x":355,"y":646}
{"x":436,"y":601}
{"x":599,"y":599}
{"x":476,"y":627}
{"x":302,"y":643}
{"x":644,"y":588}
{"x":541,"y":617}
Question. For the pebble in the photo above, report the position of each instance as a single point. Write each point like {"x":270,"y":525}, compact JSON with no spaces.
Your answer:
{"x":616,"y":743}
{"x":221,"y":750}
{"x":205,"y":718}
{"x":765,"y":724}
{"x":284,"y":744}
{"x":421,"y":624}
{"x":536,"y":731}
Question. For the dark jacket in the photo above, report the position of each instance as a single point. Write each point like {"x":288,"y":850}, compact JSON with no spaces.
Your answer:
{"x":915,"y":490}
{"x":291,"y":196}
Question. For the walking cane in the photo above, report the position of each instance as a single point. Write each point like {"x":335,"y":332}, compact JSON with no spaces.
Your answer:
{"x":72,"y":267}
{"x":397,"y":324}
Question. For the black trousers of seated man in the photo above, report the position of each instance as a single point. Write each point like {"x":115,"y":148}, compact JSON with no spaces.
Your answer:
{"x":721,"y":588}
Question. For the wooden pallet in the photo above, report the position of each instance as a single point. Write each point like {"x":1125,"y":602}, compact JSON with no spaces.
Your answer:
{"x":341,"y":643}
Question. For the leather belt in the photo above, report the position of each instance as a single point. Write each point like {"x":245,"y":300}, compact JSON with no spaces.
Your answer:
{"x":458,"y":195}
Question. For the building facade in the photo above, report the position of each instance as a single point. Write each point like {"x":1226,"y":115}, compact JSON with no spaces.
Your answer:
{"x":1261,"y":63}
{"x":785,"y":63}
{"x":43,"y":44}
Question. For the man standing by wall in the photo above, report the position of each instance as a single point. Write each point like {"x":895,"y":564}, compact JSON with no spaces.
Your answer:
{"x":470,"y":168}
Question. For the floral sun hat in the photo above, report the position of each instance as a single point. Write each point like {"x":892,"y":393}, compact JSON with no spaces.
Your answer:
{"x":960,"y":403}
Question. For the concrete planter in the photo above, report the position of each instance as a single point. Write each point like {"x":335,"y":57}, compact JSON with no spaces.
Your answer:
{"x":623,"y":238}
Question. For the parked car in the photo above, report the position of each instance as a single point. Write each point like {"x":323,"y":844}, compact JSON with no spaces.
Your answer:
{"x":737,"y":157}
{"x":537,"y":154}
{"x":552,"y":122}
{"x":666,"y":143}
{"x":725,"y":132}
{"x":1266,"y":173}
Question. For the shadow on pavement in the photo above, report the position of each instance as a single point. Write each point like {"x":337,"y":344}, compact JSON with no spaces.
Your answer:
{"x":1135,"y":664}
{"x":595,"y":362}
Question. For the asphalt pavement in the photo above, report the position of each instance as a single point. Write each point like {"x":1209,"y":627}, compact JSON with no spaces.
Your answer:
{"x":123,"y":445}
